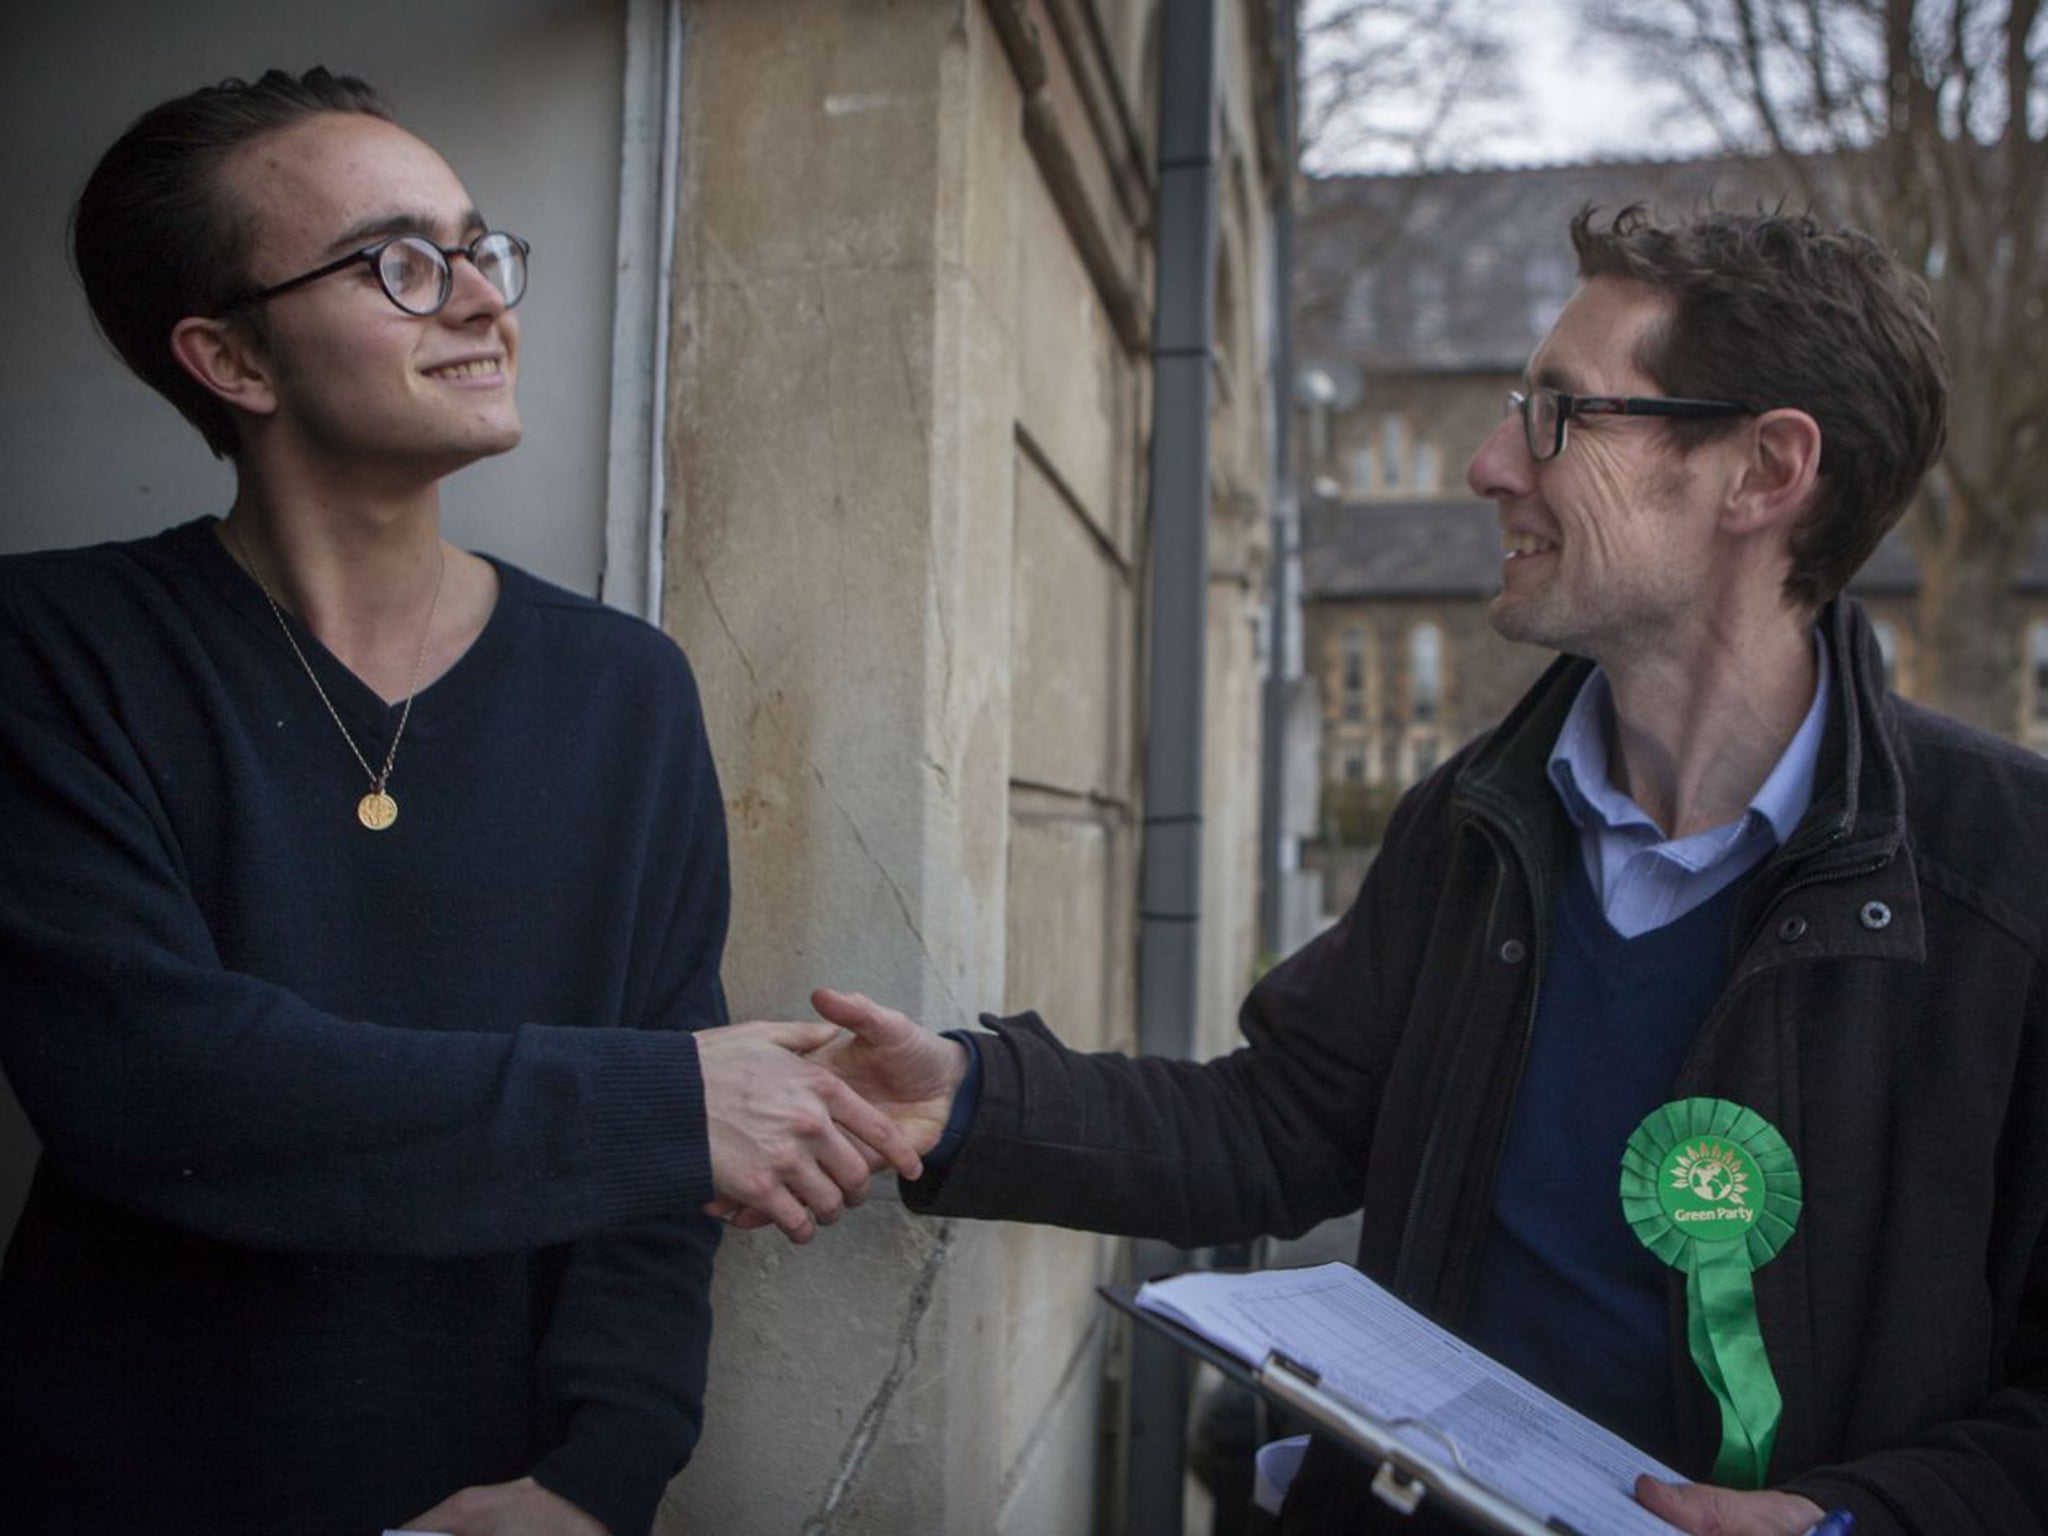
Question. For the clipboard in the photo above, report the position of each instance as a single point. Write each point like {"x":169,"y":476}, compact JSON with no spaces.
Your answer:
{"x":1403,"y":1476}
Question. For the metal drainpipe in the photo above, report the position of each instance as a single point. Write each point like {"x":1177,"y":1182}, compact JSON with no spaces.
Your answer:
{"x":1171,"y":878}
{"x":1283,"y":665}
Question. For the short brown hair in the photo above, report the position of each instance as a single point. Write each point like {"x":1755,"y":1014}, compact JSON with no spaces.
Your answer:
{"x":155,"y":239}
{"x":1776,"y":309}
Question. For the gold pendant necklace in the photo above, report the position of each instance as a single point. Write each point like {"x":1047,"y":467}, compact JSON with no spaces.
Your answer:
{"x":376,"y":810}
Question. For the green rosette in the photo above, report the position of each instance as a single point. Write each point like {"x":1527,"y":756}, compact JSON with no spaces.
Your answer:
{"x":1712,"y":1189}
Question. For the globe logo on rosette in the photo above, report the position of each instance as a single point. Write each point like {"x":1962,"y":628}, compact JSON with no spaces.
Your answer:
{"x":1712,"y":1189}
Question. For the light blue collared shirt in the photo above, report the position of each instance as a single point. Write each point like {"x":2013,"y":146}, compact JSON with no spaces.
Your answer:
{"x":1644,"y":880}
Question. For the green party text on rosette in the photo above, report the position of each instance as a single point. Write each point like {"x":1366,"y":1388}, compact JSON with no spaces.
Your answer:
{"x":1711,"y":1188}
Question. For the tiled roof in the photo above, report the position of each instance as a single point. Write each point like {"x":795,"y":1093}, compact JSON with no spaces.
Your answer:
{"x":1894,"y":570}
{"x":1399,"y":549}
{"x":1464,"y":270}
{"x":1368,"y":549}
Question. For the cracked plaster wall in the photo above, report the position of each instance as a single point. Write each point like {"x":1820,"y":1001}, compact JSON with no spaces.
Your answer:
{"x":840,"y":461}
{"x":904,"y":554}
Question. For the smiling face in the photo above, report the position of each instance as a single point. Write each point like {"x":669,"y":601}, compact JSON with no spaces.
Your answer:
{"x":1608,"y":546}
{"x":361,"y":389}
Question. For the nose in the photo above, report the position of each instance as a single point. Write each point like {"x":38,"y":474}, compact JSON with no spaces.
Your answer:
{"x":471,"y":295}
{"x":1501,"y":465}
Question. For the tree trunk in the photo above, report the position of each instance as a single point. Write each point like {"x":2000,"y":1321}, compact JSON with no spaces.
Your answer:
{"x":1968,"y":660}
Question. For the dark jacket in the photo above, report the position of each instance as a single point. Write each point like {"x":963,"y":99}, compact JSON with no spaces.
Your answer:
{"x":371,"y":1160}
{"x":1886,"y":1009}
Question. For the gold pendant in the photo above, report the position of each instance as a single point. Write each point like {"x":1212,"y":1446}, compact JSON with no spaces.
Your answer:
{"x":376,"y":810}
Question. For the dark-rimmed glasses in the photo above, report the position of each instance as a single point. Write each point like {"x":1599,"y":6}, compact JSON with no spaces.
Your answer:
{"x":1544,"y":413}
{"x":416,"y":274}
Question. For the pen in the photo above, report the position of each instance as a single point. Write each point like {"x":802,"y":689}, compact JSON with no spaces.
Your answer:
{"x":1837,"y":1523}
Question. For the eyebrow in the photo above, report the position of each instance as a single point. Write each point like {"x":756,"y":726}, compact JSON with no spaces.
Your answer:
{"x":470,"y":224}
{"x":1550,"y":376}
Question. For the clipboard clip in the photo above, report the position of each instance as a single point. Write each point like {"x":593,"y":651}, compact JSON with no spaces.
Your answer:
{"x":1404,"y":1472}
{"x":1395,"y":1488}
{"x":1396,"y":1482}
{"x":1423,"y":1426}
{"x":1402,"y":1494}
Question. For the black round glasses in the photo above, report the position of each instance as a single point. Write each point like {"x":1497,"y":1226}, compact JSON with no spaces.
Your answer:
{"x":416,"y":274}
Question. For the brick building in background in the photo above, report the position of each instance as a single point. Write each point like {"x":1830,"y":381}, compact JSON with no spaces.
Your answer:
{"x":1418,"y":301}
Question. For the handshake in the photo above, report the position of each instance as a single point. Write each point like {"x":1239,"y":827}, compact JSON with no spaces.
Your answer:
{"x":802,"y":1115}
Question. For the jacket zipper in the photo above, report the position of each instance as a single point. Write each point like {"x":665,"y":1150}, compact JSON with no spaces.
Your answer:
{"x":1856,"y":871}
{"x":1507,"y":865}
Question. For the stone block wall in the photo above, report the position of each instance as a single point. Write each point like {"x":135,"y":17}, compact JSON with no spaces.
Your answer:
{"x":905,"y":551}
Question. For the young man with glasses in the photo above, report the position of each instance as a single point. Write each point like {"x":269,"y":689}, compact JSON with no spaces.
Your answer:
{"x":1711,"y":935}
{"x":363,"y":907}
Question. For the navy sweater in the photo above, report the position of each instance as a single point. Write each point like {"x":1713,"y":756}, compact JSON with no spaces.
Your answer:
{"x":371,"y":1159}
{"x":1565,"y":1293}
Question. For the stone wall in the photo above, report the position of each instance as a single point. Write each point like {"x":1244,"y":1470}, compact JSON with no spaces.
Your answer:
{"x":910,"y":404}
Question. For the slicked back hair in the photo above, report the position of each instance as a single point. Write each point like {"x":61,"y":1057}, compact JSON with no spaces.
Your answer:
{"x":156,"y":237}
{"x":1776,"y":309}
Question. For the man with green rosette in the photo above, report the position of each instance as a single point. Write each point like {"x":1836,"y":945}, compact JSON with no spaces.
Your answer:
{"x":1687,"y":1044}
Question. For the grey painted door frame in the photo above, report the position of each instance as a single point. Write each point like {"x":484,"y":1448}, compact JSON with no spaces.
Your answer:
{"x":636,"y":482}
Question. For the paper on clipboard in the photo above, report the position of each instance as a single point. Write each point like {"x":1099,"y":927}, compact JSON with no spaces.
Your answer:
{"x":1380,"y":1358}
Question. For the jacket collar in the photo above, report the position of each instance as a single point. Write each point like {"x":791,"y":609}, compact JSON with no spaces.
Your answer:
{"x":1859,"y":804}
{"x":1856,"y":820}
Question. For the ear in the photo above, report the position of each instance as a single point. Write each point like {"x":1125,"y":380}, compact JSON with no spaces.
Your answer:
{"x":224,"y":358}
{"x":1775,"y":482}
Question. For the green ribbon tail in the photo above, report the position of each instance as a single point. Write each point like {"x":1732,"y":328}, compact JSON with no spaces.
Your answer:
{"x":1728,"y":1348}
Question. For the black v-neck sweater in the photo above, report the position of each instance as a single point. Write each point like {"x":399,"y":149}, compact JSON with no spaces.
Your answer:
{"x":371,"y":1159}
{"x":1565,"y":1294}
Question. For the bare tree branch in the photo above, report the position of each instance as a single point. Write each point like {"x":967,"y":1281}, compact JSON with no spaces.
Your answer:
{"x":1399,"y":84}
{"x":1925,"y":121}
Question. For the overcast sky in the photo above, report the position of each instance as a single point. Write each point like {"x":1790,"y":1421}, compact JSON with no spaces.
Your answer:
{"x":1584,"y":100}
{"x":1581,"y":102}
{"x":1580,"y":99}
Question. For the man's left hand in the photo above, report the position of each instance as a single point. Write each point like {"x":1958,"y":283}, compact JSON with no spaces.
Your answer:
{"x":1708,"y":1511}
{"x":521,"y":1508}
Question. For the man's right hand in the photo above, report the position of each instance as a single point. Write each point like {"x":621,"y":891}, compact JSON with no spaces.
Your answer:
{"x":889,"y":1062}
{"x":892,"y":1062}
{"x":789,"y":1140}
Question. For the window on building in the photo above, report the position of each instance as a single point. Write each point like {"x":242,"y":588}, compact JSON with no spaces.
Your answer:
{"x":1362,"y":462}
{"x":1393,"y":450}
{"x":1425,"y":673}
{"x":1351,"y":681}
{"x":1428,"y":468}
{"x":1422,"y":755}
{"x":1354,"y":765}
{"x":2037,"y":674}
{"x":1887,"y":635}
